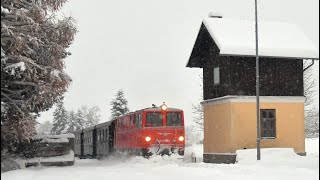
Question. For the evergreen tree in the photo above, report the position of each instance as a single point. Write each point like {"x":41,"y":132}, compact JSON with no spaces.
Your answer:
{"x":33,"y":49}
{"x":80,"y":119}
{"x":119,"y":105}
{"x":73,"y":123}
{"x":60,"y":119}
{"x":44,"y":128}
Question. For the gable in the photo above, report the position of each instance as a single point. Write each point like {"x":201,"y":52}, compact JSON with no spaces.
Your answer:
{"x":203,"y":49}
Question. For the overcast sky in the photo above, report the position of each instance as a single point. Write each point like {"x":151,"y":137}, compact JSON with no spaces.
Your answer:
{"x":142,"y":47}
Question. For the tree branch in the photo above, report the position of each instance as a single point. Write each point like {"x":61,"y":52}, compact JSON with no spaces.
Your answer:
{"x":13,"y":103}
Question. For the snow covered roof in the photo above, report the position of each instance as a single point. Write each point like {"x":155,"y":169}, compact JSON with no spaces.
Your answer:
{"x":276,"y":39}
{"x":43,"y":136}
{"x":108,"y":123}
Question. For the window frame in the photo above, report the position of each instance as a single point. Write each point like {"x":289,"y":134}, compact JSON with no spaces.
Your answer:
{"x":179,"y":114}
{"x":216,"y":76}
{"x":138,"y":120}
{"x":157,"y":113}
{"x":269,"y":130}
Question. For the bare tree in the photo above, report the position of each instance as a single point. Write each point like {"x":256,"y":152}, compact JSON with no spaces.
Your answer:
{"x":197,"y":110}
{"x":194,"y":133}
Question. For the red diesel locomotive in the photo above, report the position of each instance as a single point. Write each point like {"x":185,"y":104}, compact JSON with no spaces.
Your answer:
{"x":156,"y":130}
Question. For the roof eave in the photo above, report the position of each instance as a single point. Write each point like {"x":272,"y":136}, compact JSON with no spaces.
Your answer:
{"x":263,"y":56}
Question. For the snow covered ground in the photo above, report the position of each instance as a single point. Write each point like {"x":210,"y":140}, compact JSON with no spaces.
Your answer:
{"x":275,"y":164}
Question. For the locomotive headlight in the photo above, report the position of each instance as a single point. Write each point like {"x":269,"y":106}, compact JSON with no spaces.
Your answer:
{"x":164,"y":107}
{"x":148,"y":139}
{"x":181,"y":138}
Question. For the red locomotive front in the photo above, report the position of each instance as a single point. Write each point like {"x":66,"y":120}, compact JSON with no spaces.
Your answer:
{"x":156,"y":130}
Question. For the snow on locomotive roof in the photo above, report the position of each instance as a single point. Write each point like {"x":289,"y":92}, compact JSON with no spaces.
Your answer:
{"x":159,"y":109}
{"x":276,"y":39}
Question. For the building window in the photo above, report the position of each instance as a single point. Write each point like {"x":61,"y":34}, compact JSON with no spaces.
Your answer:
{"x":216,"y":76}
{"x":268,"y":123}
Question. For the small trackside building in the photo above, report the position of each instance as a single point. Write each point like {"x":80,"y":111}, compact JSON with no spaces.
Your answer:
{"x":225,"y":50}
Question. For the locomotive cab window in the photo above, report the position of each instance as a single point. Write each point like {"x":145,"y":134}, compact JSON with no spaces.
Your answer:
{"x":154,"y":119}
{"x":174,"y":119}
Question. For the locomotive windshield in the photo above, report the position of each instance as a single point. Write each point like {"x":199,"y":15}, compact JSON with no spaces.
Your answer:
{"x":174,"y":119}
{"x":154,"y":119}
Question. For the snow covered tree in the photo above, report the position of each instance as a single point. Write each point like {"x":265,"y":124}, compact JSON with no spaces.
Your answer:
{"x":194,"y":135}
{"x":119,"y":105}
{"x":311,"y":112}
{"x":44,"y":128}
{"x":197,"y":110}
{"x":33,"y":49}
{"x":72,"y":122}
{"x":85,"y":117}
{"x":92,"y":116}
{"x":80,"y":119}
{"x":60,"y":119}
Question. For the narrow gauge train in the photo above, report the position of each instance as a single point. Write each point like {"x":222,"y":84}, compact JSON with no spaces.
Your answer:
{"x":155,"y":130}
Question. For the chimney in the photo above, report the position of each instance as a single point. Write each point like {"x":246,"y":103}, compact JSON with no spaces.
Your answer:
{"x":214,"y":15}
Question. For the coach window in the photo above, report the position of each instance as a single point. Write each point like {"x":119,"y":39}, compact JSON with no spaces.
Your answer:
{"x":268,"y":123}
{"x":103,"y":134}
{"x":106,"y":134}
{"x":174,"y":119}
{"x":154,"y":119}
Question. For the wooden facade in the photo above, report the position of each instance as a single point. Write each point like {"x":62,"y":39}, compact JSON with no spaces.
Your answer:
{"x":278,"y":76}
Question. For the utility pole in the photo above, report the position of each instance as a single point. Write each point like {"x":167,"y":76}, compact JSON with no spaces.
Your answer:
{"x":257,"y":83}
